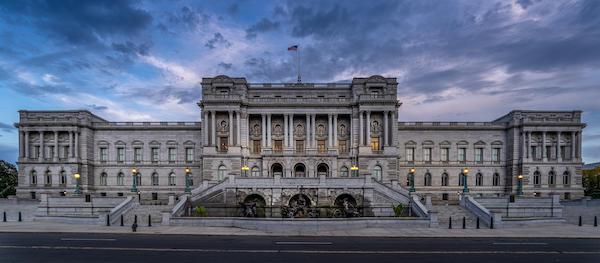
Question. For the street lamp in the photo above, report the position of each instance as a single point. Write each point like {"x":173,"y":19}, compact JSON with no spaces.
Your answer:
{"x":77,"y":186}
{"x":520,"y":184}
{"x":187,"y":180}
{"x":354,"y":170}
{"x":465,"y":174}
{"x":134,"y":173}
{"x":245,"y":168}
{"x":411,"y":179}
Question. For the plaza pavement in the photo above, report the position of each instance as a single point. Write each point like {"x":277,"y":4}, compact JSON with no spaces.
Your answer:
{"x":553,"y":231}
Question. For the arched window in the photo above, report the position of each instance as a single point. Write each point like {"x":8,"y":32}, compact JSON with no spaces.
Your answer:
{"x":154,"y":179}
{"x":377,"y":172}
{"x":299,"y":170}
{"x":172,"y":179}
{"x":138,"y":179}
{"x":566,"y":178}
{"x":63,"y":177}
{"x":461,"y":179}
{"x":222,"y":172}
{"x":551,"y":178}
{"x":445,"y":179}
{"x":103,"y":179}
{"x":427,"y":179}
{"x":120,"y":177}
{"x":48,"y":176}
{"x":33,"y":179}
{"x":276,"y":170}
{"x":255,"y":172}
{"x":479,"y":179}
{"x":344,"y":171}
{"x":323,"y":170}
{"x":496,"y":179}
{"x":536,"y":178}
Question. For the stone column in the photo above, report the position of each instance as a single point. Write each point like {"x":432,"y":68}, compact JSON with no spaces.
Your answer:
{"x":529,"y":145}
{"x":385,"y":129}
{"x":572,"y":146}
{"x":558,"y":153}
{"x":335,"y":130}
{"x":329,"y":130}
{"x":56,"y":151}
{"x":213,"y":128}
{"x":578,"y":146}
{"x":368,"y":128}
{"x":21,"y":147}
{"x":291,"y":130}
{"x":307,"y":137}
{"x":27,"y":145}
{"x":238,"y":141}
{"x":263,"y":131}
{"x":269,"y":130}
{"x":71,"y":145}
{"x":523,"y":145}
{"x":361,"y":136}
{"x":41,"y":157}
{"x":76,"y":144}
{"x":544,"y":159}
{"x":205,"y":128}
{"x":313,"y":128}
{"x":230,"y":139}
{"x":285,"y":130}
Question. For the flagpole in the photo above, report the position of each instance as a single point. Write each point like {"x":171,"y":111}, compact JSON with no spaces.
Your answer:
{"x":298,"y":62}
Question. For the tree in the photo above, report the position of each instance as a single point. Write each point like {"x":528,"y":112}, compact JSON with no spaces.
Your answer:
{"x":591,"y":182}
{"x":8,"y":179}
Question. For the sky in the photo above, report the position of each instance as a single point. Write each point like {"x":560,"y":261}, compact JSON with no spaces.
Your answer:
{"x":454,"y":60}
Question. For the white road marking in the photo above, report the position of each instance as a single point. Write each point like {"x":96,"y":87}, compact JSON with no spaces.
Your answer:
{"x":295,"y":251}
{"x":302,"y":243}
{"x":87,"y":239}
{"x":521,"y":243}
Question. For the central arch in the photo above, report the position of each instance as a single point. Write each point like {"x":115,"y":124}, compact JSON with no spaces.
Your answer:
{"x":254,"y":206}
{"x":322,"y":170}
{"x":299,"y":170}
{"x":276,"y":170}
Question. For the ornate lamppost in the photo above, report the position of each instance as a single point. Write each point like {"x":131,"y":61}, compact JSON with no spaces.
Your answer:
{"x":354,"y":170}
{"x":134,"y":173}
{"x":520,"y":184}
{"x":187,"y":180}
{"x":77,"y":177}
{"x":465,"y":174}
{"x":245,"y":168}
{"x":411,"y":179}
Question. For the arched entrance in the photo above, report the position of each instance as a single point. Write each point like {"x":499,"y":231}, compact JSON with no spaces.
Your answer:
{"x":299,"y":206}
{"x":299,"y":170}
{"x":345,"y":206}
{"x":253,"y":206}
{"x":322,"y":170}
{"x":277,"y":170}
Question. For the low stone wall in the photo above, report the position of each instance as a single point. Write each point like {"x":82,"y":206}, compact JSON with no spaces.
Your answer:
{"x":524,"y":207}
{"x":12,"y":206}
{"x":76,"y":220}
{"x":76,"y":206}
{"x":318,"y":224}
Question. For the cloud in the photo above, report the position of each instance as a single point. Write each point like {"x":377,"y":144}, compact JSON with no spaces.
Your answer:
{"x":225,"y":66}
{"x":188,"y":18}
{"x":217,"y":40}
{"x":97,"y":107}
{"x":264,"y":25}
{"x":130,"y":48}
{"x":9,"y":153}
{"x":6,"y":127}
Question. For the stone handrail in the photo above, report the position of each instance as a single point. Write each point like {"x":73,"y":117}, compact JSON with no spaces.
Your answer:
{"x":397,"y":195}
{"x":216,"y":187}
{"x":477,"y":209}
{"x":121,"y":209}
{"x":419,"y":207}
{"x":180,"y":206}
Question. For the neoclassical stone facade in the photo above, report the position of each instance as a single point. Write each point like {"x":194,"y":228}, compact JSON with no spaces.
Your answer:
{"x":322,"y":140}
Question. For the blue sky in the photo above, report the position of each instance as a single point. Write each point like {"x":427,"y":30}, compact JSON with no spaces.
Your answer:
{"x":454,"y":60}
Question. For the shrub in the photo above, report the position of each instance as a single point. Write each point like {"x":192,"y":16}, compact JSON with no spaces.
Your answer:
{"x":399,"y":209}
{"x":200,"y":210}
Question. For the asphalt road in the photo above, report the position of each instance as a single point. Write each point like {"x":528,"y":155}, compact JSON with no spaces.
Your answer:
{"x":69,"y":247}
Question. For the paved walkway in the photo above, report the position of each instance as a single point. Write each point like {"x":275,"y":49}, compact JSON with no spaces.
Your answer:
{"x":557,"y":231}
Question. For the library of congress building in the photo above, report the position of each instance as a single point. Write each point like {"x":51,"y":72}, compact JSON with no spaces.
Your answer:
{"x":321,"y":140}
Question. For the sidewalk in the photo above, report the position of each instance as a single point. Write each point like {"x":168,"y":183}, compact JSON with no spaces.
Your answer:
{"x":562,"y":231}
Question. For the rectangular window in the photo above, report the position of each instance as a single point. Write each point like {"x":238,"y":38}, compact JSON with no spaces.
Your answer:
{"x":321,"y":146}
{"x":479,"y":155}
{"x":563,"y":152}
{"x":50,"y":152}
{"x":155,"y":155}
{"x":223,"y":144}
{"x":103,"y":154}
{"x":427,"y":154}
{"x":120,"y":155}
{"x":36,"y":152}
{"x":137,"y":155}
{"x":375,"y":144}
{"x":278,"y":146}
{"x":172,"y":155}
{"x":342,"y":146}
{"x":444,"y":154}
{"x":496,"y":155}
{"x":547,"y":153}
{"x":534,"y":152}
{"x":299,"y":146}
{"x":189,"y":155}
{"x":65,"y":152}
{"x":462,"y":154}
{"x":410,"y":154}
{"x":256,"y":147}
{"x":444,"y":196}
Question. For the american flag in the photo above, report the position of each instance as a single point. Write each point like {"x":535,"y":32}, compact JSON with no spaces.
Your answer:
{"x":293,"y":48}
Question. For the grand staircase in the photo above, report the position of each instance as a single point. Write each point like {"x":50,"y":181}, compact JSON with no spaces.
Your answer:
{"x":457,"y":213}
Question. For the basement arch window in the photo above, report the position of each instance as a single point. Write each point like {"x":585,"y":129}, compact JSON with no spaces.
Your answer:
{"x":377,"y":173}
{"x":221,"y":172}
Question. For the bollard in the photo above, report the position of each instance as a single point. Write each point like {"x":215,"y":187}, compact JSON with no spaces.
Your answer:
{"x":134,"y":227}
{"x":121,"y":220}
{"x":492,"y":223}
{"x":478,"y":223}
{"x":450,"y":223}
{"x":4,"y":217}
{"x":595,"y":221}
{"x":107,"y":220}
{"x":149,"y":220}
{"x":580,"y":223}
{"x":135,"y":219}
{"x":464,"y":222}
{"x":20,"y":217}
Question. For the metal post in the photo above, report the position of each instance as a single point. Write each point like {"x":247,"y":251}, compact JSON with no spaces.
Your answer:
{"x":20,"y":217}
{"x":412,"y":182}
{"x":464,"y":222}
{"x":187,"y":183}
{"x":107,"y":219}
{"x":492,"y":223}
{"x":595,"y":221}
{"x":450,"y":223}
{"x":149,"y":220}
{"x":580,"y":222}
{"x":4,"y":217}
{"x":121,"y":220}
{"x":478,"y":223}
